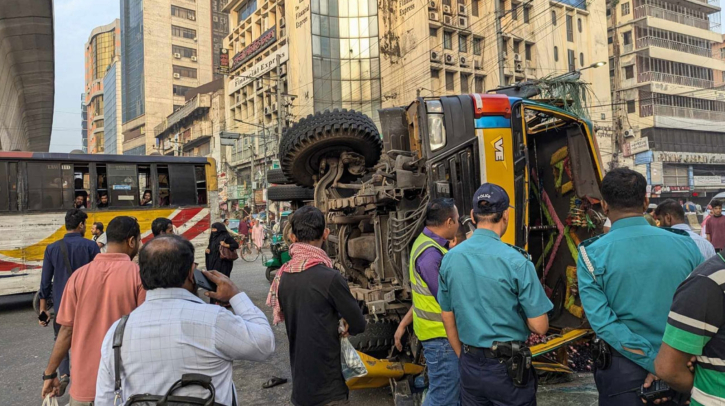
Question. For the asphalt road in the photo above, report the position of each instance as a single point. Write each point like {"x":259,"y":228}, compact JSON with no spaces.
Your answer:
{"x":25,"y":348}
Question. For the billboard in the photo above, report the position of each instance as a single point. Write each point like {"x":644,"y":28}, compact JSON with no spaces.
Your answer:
{"x":223,"y":61}
{"x":258,"y":45}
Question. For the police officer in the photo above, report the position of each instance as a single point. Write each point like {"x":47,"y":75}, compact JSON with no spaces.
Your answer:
{"x":491,"y":300}
{"x":627,"y":279}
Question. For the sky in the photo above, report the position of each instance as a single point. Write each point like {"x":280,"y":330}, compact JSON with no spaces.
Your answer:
{"x":74,"y":20}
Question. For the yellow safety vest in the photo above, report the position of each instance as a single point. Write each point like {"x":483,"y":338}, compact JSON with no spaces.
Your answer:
{"x":427,"y":320}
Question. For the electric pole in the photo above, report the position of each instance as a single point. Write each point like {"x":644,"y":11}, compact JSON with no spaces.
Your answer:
{"x":281,"y":101}
{"x":499,"y":42}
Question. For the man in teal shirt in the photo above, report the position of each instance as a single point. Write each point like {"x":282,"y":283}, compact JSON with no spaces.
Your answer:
{"x":488,"y":291}
{"x":626,"y":282}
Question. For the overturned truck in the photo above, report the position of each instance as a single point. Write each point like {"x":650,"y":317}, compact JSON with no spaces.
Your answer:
{"x":374,"y":191}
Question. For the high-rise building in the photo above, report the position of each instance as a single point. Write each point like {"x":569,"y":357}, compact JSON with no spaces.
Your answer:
{"x":102,"y":47}
{"x":112,"y":108}
{"x":669,"y":114}
{"x":84,"y":124}
{"x":166,"y":50}
{"x":219,"y":30}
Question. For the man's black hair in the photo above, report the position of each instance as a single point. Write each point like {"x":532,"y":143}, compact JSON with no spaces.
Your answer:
{"x":159,"y":225}
{"x":308,"y":224}
{"x":165,"y":262}
{"x":122,"y":228}
{"x":649,"y":211}
{"x":624,"y":189}
{"x":74,"y":218}
{"x":671,"y":207}
{"x":439,"y":210}
{"x":492,"y":218}
{"x":99,"y":226}
{"x":146,"y":191}
{"x":716,"y":203}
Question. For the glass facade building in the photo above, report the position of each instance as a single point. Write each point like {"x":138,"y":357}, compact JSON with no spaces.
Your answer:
{"x":346,"y":55}
{"x":141,"y":150}
{"x":111,"y":125}
{"x":132,"y":55}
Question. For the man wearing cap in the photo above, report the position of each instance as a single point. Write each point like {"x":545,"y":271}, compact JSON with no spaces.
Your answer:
{"x":489,"y":293}
{"x":649,"y":215}
{"x":627,"y":279}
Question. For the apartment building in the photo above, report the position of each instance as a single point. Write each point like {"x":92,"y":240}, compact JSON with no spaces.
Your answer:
{"x":219,"y":30}
{"x":166,"y":50}
{"x":670,"y":116}
{"x":112,"y":108}
{"x":102,"y":48}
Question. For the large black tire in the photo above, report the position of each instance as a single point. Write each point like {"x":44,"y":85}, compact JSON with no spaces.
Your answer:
{"x":270,"y":273}
{"x":288,"y":193}
{"x":276,"y":176}
{"x":327,"y":134}
{"x":377,"y":337}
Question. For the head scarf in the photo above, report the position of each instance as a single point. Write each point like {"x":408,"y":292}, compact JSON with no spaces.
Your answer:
{"x":220,"y":235}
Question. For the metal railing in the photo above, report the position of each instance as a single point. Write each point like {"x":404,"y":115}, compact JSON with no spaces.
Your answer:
{"x":649,"y":110}
{"x":643,"y":42}
{"x":653,"y":76}
{"x":657,"y":12}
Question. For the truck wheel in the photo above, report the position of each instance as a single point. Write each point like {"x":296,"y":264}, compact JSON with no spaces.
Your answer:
{"x":287,"y":193}
{"x":378,"y":336}
{"x":327,"y":134}
{"x":276,"y":176}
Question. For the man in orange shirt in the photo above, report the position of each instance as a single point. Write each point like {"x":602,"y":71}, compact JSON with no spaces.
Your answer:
{"x":95,"y":296}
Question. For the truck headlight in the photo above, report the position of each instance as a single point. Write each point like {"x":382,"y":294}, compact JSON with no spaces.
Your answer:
{"x":436,"y":131}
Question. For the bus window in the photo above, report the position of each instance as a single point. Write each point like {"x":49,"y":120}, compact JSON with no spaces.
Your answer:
{"x":13,"y":185}
{"x":122,"y":183}
{"x":49,"y":186}
{"x":144,"y":185}
{"x":164,"y":189}
{"x":102,"y":187}
{"x":82,"y":186}
{"x":200,"y":185}
{"x":183,"y":185}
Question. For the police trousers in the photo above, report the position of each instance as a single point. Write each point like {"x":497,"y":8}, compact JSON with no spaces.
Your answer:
{"x":485,"y":381}
{"x":622,"y":375}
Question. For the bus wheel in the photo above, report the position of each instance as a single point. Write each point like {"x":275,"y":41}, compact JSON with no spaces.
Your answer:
{"x":327,"y":135}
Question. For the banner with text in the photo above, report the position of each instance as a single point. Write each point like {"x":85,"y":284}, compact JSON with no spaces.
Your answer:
{"x":266,"y":65}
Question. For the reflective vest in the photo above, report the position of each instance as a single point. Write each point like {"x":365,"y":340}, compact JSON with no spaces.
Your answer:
{"x":427,"y":320}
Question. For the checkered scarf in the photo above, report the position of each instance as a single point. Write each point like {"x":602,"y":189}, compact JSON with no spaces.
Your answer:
{"x":303,"y":256}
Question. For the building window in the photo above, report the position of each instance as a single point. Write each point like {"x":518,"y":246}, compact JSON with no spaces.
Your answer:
{"x":627,"y":37}
{"x":571,"y":57}
{"x":527,"y":49}
{"x":553,"y":17}
{"x":182,"y":32}
{"x":514,"y":11}
{"x":526,"y":14}
{"x":579,"y":24}
{"x":630,"y":107}
{"x":610,"y":40}
{"x":478,"y":84}
{"x":462,"y":44}
{"x":556,"y":54}
{"x":474,"y":8}
{"x":609,"y":11}
{"x":723,"y":76}
{"x":447,"y":40}
{"x":464,"y":83}
{"x":625,"y":8}
{"x":246,"y":10}
{"x":517,"y":47}
{"x":477,"y":46}
{"x":183,"y":13}
{"x":581,"y":59}
{"x":450,"y":86}
{"x":433,"y":32}
{"x":183,"y":51}
{"x":181,"y":90}
{"x":722,"y":53}
{"x":185,"y":72}
{"x":629,"y":72}
{"x":569,"y":29}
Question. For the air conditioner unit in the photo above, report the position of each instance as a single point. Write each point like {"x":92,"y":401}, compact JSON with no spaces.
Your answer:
{"x":462,"y":9}
{"x":477,"y":64}
{"x":519,"y":67}
{"x":267,"y":111}
{"x":281,"y":22}
{"x":177,"y":55}
{"x":448,"y":20}
{"x":463,"y":61}
{"x":463,"y":22}
{"x":435,"y":56}
{"x":517,"y":57}
{"x":433,"y":16}
{"x":447,"y":9}
{"x":432,"y":4}
{"x":192,"y":17}
{"x":450,"y":60}
{"x":193,"y":58}
{"x":629,"y":133}
{"x":177,"y":76}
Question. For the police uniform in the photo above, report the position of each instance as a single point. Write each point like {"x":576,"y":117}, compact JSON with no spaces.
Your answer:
{"x":627,"y":279}
{"x":492,"y":288}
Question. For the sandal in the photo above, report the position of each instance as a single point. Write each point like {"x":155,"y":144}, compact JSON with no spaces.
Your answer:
{"x":273,"y":382}
{"x":64,"y":381}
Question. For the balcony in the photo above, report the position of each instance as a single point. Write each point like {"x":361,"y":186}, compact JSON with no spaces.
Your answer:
{"x":674,"y":79}
{"x":644,"y":42}
{"x":681,"y":18}
{"x":683,"y":112}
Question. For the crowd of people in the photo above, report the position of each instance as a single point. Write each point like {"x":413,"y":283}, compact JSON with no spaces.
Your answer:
{"x":652,"y":294}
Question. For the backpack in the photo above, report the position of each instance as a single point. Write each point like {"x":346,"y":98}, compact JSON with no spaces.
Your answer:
{"x":168,"y":399}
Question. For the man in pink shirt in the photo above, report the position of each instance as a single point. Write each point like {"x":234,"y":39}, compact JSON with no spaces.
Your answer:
{"x":95,"y":296}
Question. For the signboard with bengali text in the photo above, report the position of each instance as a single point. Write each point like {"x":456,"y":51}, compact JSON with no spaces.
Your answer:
{"x":258,"y":45}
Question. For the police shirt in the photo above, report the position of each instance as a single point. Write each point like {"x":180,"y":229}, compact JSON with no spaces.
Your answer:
{"x":627,"y":278}
{"x":492,"y":289}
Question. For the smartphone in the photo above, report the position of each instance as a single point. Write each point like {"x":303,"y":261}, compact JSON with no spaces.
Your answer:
{"x":43,"y":317}
{"x":203,"y":282}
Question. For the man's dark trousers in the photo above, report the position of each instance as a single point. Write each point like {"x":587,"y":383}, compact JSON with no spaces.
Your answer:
{"x":622,"y":375}
{"x":64,"y":368}
{"x":485,"y":382}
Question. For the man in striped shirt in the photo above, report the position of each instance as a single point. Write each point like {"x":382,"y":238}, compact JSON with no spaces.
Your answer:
{"x":696,"y":326}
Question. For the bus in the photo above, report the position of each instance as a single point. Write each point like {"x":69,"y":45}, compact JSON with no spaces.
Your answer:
{"x":36,"y":189}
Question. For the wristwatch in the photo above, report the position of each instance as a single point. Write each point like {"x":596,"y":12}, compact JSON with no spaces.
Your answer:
{"x":49,"y":377}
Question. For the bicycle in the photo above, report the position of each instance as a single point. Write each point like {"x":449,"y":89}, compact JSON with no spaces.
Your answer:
{"x":249,"y":251}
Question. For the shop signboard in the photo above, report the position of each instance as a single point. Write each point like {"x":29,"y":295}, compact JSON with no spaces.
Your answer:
{"x":258,"y":45}
{"x":259,"y":69}
{"x":709,"y":180}
{"x":689,"y":157}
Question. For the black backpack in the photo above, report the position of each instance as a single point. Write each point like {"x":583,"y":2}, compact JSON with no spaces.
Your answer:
{"x":168,"y":399}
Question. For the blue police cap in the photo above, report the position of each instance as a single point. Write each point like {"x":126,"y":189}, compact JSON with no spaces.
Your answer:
{"x":496,"y":198}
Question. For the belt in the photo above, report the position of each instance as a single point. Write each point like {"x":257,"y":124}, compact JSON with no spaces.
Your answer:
{"x":486,"y":352}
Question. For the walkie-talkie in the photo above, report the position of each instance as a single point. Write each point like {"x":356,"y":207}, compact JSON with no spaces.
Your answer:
{"x":658,"y":390}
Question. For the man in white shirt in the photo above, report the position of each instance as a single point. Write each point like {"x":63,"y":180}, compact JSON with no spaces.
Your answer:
{"x":175,"y":333}
{"x":672,"y":215}
{"x":99,"y":236}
